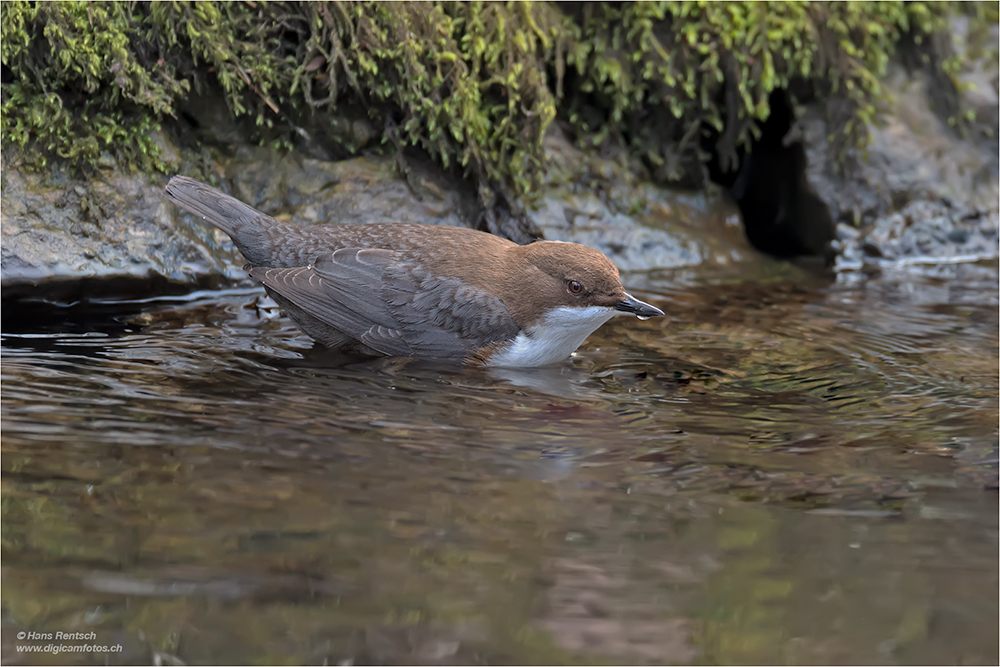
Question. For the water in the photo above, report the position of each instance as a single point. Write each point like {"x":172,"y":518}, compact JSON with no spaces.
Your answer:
{"x":780,"y":471}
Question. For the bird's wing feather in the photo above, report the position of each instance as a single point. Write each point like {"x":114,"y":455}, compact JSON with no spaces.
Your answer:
{"x":443,"y":316}
{"x":342,"y":290}
{"x":395,"y":307}
{"x":354,"y":278}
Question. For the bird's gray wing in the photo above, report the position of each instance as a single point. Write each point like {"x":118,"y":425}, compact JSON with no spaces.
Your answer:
{"x":393,"y":306}
{"x":342,"y":290}
{"x":441,"y":316}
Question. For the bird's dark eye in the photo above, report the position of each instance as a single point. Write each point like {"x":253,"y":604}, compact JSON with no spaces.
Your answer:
{"x":574,"y":286}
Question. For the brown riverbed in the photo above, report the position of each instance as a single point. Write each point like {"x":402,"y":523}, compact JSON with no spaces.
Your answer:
{"x":780,"y":471}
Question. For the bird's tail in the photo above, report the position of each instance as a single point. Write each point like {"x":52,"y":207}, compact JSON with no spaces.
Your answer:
{"x":252,"y":231}
{"x":216,"y":208}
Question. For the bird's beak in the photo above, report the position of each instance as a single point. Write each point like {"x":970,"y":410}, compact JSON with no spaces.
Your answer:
{"x":630,"y":304}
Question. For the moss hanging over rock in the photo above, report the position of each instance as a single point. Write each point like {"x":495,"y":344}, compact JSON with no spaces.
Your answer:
{"x":661,"y":73}
{"x":472,"y":84}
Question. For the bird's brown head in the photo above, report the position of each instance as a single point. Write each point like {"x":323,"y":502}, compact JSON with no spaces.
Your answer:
{"x":573,"y":275}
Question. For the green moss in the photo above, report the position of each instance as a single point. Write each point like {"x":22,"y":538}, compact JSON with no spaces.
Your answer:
{"x":664,"y":71}
{"x":473,"y":84}
{"x":79,"y":88}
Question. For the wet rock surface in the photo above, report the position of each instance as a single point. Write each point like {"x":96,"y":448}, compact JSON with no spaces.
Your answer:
{"x":122,"y":227}
{"x":359,"y":190}
{"x":111,"y":227}
{"x":926,"y":193}
{"x":921,"y":236}
{"x":119,"y":226}
{"x":914,"y":156}
{"x":638,"y":225}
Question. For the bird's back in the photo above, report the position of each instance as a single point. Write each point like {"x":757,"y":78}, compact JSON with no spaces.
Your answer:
{"x":265,"y":241}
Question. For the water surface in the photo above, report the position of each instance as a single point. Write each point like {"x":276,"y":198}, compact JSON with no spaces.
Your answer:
{"x":779,"y":471}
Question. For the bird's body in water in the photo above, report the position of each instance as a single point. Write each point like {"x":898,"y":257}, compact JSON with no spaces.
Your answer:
{"x":423,"y":291}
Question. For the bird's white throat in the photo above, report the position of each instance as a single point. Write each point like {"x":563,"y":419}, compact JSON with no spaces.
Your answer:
{"x":553,"y":338}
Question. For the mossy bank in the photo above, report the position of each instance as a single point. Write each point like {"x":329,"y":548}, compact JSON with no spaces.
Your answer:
{"x":472,"y":84}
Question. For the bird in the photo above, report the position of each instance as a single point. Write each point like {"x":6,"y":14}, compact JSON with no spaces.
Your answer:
{"x":434,"y":292}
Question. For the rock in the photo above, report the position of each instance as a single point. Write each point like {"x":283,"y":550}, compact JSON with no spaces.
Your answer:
{"x":913,"y":156}
{"x":120,"y":226}
{"x":358,"y":190}
{"x":640,"y":226}
{"x":978,"y":77}
{"x":923,"y":236}
{"x":650,"y":239}
{"x":112,"y":227}
{"x":925,"y":195}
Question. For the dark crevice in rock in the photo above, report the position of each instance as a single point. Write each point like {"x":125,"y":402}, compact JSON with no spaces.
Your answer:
{"x":782,"y":215}
{"x":190,"y":120}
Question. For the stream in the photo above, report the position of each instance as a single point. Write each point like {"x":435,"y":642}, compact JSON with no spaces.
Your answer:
{"x":783,"y":470}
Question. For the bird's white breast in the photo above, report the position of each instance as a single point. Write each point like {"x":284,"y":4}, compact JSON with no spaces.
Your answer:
{"x":553,"y":338}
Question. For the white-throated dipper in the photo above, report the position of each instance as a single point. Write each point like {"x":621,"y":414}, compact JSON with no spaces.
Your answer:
{"x":423,"y":291}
